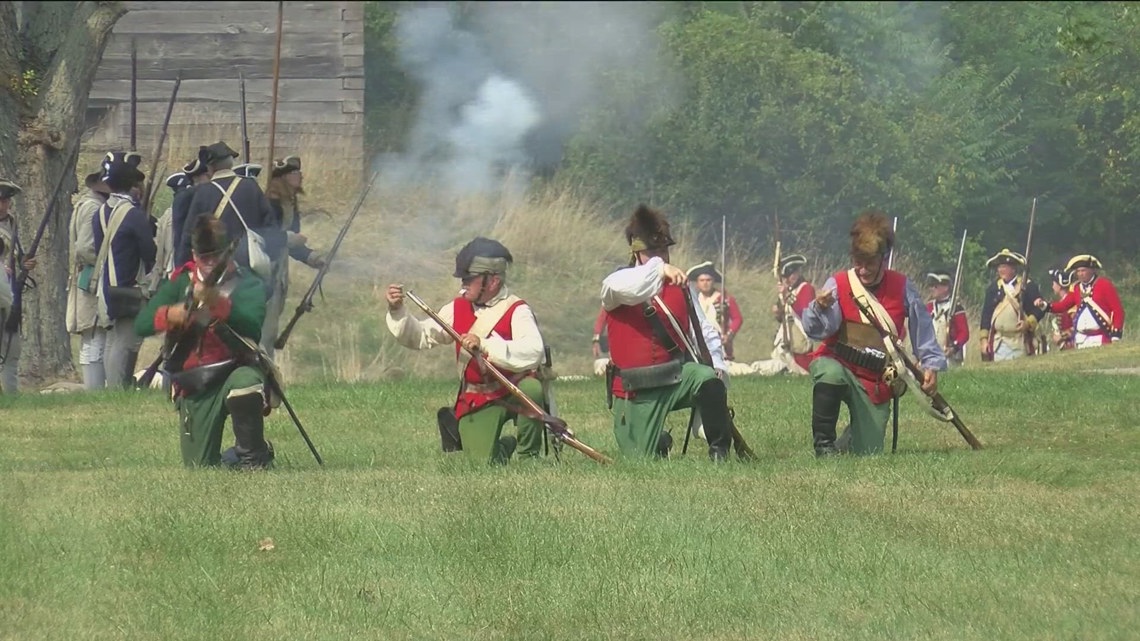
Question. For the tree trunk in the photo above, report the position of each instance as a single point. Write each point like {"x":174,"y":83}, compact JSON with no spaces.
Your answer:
{"x":48,"y":58}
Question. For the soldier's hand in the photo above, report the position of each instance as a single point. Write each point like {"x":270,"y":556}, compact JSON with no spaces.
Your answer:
{"x":671,"y":274}
{"x":597,"y":350}
{"x":984,"y":344}
{"x":1040,"y":303}
{"x":205,"y":296}
{"x":781,"y":288}
{"x":29,"y":264}
{"x":316,"y":259}
{"x":1020,"y":326}
{"x":470,"y":341}
{"x":395,"y":297}
{"x":176,"y":316}
{"x":930,"y":381}
{"x":825,"y":299}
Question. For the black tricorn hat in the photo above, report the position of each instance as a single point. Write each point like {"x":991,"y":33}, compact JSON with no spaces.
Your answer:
{"x":1083,"y":260}
{"x":938,"y":277}
{"x":648,"y":229}
{"x":8,"y":189}
{"x":218,"y":151}
{"x":704,"y":269}
{"x":197,"y":167}
{"x":1062,"y":277}
{"x":482,"y":256}
{"x":789,"y":264}
{"x":286,"y":165}
{"x":1006,"y":257}
{"x":209,"y":236}
{"x":248,"y":170}
{"x":121,"y":169}
{"x":178,"y":181}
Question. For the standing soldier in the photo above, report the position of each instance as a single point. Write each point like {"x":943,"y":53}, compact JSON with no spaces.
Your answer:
{"x":239,"y":203}
{"x":492,"y":320}
{"x":211,"y":374}
{"x":1062,"y":324}
{"x":199,"y":173}
{"x":852,"y":365}
{"x":720,"y":308}
{"x":285,"y":186}
{"x":952,"y":329}
{"x":654,"y":369}
{"x":164,"y":236}
{"x":601,"y":343}
{"x":1099,"y":317}
{"x":125,"y":239}
{"x":1009,"y":319}
{"x":11,"y":255}
{"x":82,"y":304}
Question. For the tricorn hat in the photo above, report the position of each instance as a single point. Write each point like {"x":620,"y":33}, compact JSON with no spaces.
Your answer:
{"x":121,"y":170}
{"x":1083,"y":260}
{"x":705,"y":268}
{"x":939,"y":277}
{"x":871,"y":235}
{"x":789,"y":264}
{"x":482,"y":256}
{"x":197,"y":167}
{"x":286,"y":165}
{"x":648,"y":229}
{"x":218,"y":151}
{"x":178,"y":181}
{"x":248,"y":170}
{"x":9,"y":189}
{"x":1006,"y":257}
{"x":1062,"y":277}
{"x":94,"y":181}
{"x":209,"y":236}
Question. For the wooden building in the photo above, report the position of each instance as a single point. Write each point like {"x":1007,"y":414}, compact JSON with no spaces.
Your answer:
{"x":208,"y":44}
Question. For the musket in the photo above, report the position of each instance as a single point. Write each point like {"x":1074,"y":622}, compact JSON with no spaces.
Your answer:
{"x":152,"y":188}
{"x":891,"y":256}
{"x":306,"y":303}
{"x":180,"y":340}
{"x":954,"y":291}
{"x":785,"y":330}
{"x":724,"y":274}
{"x":276,"y":77}
{"x":556,"y":426}
{"x":1029,"y":342}
{"x":938,"y":407}
{"x":16,"y":315}
{"x":134,"y":93}
{"x":244,"y":130}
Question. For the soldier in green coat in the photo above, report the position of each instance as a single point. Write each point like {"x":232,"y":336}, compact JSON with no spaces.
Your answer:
{"x":213,"y":367}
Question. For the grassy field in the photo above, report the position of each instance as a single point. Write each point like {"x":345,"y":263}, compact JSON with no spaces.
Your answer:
{"x":104,"y":536}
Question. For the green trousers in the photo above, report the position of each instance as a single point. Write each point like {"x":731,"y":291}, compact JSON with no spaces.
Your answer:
{"x":638,"y":422}
{"x":868,"y":420}
{"x":202,"y":416}
{"x":479,"y":431}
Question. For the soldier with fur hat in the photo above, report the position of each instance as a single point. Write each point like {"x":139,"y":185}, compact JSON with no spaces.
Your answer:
{"x":82,"y":304}
{"x":1009,"y":319}
{"x":655,"y":369}
{"x":212,"y":377}
{"x":11,"y":255}
{"x":952,"y":329}
{"x":1099,"y":318}
{"x":852,"y":365}
{"x":198,"y":172}
{"x":491,"y":319}
{"x":720,"y":308}
{"x":125,"y":238}
{"x":284,"y":189}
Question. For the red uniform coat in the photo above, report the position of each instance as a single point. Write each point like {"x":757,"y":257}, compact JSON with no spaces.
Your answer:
{"x":1103,"y":293}
{"x":959,"y":326}
{"x":633,"y":341}
{"x":479,"y":387}
{"x":891,"y":294}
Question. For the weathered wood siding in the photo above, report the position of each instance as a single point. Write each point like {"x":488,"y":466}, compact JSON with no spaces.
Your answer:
{"x":320,"y":92}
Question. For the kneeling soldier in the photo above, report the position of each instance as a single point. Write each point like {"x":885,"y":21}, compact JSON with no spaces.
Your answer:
{"x":211,"y":373}
{"x":489,"y":318}
{"x":852,"y":365}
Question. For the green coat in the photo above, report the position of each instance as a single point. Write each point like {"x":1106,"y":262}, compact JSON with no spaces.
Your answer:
{"x":247,"y":313}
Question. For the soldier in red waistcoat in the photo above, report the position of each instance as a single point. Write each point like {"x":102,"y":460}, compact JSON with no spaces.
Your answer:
{"x":489,"y":318}
{"x":654,"y":369}
{"x":1099,"y":319}
{"x":852,"y":365}
{"x":952,"y":328}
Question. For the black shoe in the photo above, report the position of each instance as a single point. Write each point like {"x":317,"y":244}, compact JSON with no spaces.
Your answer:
{"x":664,"y":444}
{"x":827,"y":451}
{"x":507,"y":445}
{"x":718,"y":453}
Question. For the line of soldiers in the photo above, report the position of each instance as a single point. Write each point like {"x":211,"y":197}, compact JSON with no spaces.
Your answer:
{"x":133,"y":276}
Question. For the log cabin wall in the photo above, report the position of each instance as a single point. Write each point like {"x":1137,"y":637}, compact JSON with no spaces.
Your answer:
{"x":320,"y":91}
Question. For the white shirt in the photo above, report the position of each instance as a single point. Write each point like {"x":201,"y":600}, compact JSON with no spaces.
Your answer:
{"x":639,"y":284}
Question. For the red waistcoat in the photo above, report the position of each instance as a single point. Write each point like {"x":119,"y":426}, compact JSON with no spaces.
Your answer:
{"x":471,"y":400}
{"x":633,"y":341}
{"x":891,"y":294}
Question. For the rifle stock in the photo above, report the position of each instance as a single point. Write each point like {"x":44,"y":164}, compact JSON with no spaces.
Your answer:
{"x":556,"y":426}
{"x":306,"y":303}
{"x":939,"y":403}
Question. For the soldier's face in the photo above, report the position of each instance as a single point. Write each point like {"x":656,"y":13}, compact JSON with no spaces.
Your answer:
{"x":792,"y":279}
{"x":870,"y":271}
{"x":294,"y":179}
{"x":939,"y":291}
{"x":705,"y":284}
{"x":1006,"y":271}
{"x":1085,"y":274}
{"x":478,"y":289}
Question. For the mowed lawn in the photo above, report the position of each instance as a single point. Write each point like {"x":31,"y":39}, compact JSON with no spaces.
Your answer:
{"x":103,"y":535}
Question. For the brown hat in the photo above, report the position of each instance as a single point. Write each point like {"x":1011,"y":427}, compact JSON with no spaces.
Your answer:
{"x":871,"y":236}
{"x":218,"y":151}
{"x":648,"y":229}
{"x":286,"y":165}
{"x":9,"y":189}
{"x":209,"y":236}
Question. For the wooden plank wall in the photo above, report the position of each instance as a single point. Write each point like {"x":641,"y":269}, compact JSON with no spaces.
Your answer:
{"x":320,"y":92}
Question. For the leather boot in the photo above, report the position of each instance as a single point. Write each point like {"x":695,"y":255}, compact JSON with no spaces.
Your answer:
{"x":129,"y":365}
{"x":250,"y":448}
{"x":825,"y":402}
{"x":712,"y":400}
{"x":664,"y":444}
{"x":448,"y":430}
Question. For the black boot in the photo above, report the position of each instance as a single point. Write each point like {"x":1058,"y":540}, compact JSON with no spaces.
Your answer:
{"x":448,"y":430}
{"x":664,"y":444}
{"x":131,"y":361}
{"x":250,"y":447}
{"x":825,"y":403}
{"x":712,"y":400}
